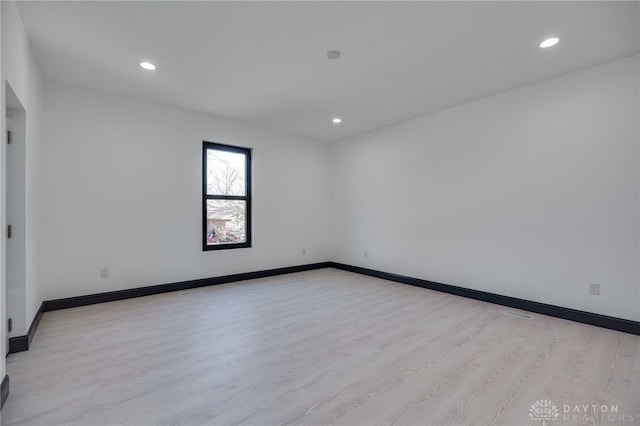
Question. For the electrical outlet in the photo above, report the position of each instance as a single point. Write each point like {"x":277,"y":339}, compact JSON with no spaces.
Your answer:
{"x":304,"y":252}
{"x":366,"y":254}
{"x":104,"y":272}
{"x":594,"y":289}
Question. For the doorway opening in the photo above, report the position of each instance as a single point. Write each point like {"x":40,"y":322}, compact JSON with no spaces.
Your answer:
{"x":15,"y":202}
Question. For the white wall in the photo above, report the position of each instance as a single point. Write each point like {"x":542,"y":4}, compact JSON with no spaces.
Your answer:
{"x":533,"y":193}
{"x":21,"y":72}
{"x":123,"y":184}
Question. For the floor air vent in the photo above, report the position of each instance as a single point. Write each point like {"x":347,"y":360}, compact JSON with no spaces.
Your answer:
{"x":184,"y":293}
{"x":518,"y":315}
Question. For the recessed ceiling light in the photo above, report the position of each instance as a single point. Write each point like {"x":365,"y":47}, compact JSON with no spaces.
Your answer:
{"x":333,"y":54}
{"x":337,"y":120}
{"x":147,"y":66}
{"x":549,"y":42}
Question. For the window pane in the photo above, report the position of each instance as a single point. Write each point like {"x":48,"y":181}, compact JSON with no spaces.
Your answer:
{"x":225,"y":173}
{"x":226,"y":222}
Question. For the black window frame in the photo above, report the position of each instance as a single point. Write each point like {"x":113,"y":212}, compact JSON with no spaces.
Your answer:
{"x":206,"y":145}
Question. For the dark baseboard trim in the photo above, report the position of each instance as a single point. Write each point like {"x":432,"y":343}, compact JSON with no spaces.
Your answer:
{"x":613,"y":323}
{"x":18,"y":344}
{"x":35,"y":323}
{"x":91,"y":299}
{"x":22,"y":343}
{"x":4,"y":391}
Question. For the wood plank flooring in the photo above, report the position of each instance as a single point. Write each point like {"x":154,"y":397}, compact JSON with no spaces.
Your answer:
{"x":321,"y":347}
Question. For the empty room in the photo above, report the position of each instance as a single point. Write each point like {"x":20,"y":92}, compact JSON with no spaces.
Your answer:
{"x":320,"y":212}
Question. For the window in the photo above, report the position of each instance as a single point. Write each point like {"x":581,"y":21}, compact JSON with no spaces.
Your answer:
{"x":226,"y":196}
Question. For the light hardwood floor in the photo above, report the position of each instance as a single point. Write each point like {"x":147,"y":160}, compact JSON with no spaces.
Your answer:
{"x":317,"y":348}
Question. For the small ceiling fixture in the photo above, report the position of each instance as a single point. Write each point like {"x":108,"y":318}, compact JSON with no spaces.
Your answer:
{"x":333,"y":54}
{"x":147,"y":66}
{"x":337,"y":120}
{"x":549,"y":42}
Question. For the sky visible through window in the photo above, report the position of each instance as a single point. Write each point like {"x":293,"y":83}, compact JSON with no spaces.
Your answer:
{"x":225,"y":173}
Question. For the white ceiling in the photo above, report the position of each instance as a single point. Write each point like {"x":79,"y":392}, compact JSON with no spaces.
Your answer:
{"x":263,"y":63}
